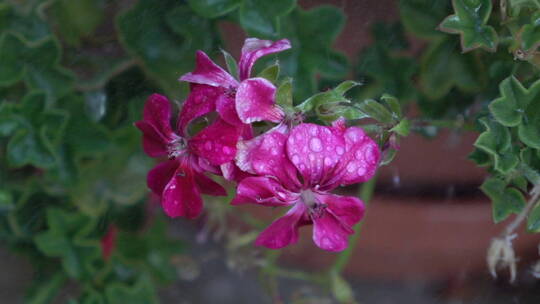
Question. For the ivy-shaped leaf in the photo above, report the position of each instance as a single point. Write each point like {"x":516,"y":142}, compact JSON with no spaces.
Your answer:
{"x":77,"y":19}
{"x":35,"y":63}
{"x":386,"y":73}
{"x":312,"y":34}
{"x":421,"y":17}
{"x":517,"y":5}
{"x":36,"y":131}
{"x":68,"y":238}
{"x":533,"y":220}
{"x":529,"y":37}
{"x":497,"y":142}
{"x":160,"y":42}
{"x":505,"y":201}
{"x":442,"y":68}
{"x":261,"y":18}
{"x":213,"y":8}
{"x":26,"y":21}
{"x":470,"y":22}
{"x":519,"y":107}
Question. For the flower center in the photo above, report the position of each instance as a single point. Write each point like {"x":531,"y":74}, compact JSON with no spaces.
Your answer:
{"x":176,"y":147}
{"x":315,"y":208}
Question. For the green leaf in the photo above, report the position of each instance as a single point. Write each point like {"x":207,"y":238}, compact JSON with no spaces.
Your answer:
{"x":497,"y":142}
{"x":312,"y":33}
{"x":38,"y":133}
{"x":533,"y":220}
{"x":386,"y":73}
{"x":505,"y":201}
{"x":213,"y":8}
{"x":393,"y":104}
{"x":517,"y":5}
{"x":403,"y":128}
{"x":284,"y":94}
{"x":27,"y":22}
{"x":442,"y":68}
{"x":270,"y":73}
{"x":509,"y":107}
{"x":375,"y":110}
{"x":261,"y":18}
{"x":77,"y":19}
{"x":52,"y":244}
{"x":470,"y":21}
{"x":46,"y":290}
{"x":421,"y":17}
{"x":530,"y":35}
{"x":142,"y":292}
{"x":480,"y":158}
{"x":37,"y":62}
{"x":529,"y":129}
{"x":345,"y":86}
{"x":232,"y":66}
{"x":164,"y":41}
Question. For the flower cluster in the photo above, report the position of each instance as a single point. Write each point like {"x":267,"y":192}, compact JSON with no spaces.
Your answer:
{"x":292,"y":164}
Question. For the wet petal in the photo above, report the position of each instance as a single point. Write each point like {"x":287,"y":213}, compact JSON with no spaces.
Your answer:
{"x":154,"y":144}
{"x":156,"y":125}
{"x":360,"y":160}
{"x":329,"y":233}
{"x":216,"y":143}
{"x":348,"y":209}
{"x":255,"y":101}
{"x":207,"y":72}
{"x":200,"y":101}
{"x":283,"y":231}
{"x":314,"y":150}
{"x":265,"y":155}
{"x":262,"y":191}
{"x":157,"y":112}
{"x":226,"y":108}
{"x":181,"y":196}
{"x":209,"y":186}
{"x":254,"y":49}
{"x":231,"y":172}
{"x":160,"y":176}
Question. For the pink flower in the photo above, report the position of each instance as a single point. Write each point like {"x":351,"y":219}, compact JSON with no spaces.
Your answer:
{"x":324,"y":158}
{"x":237,"y":102}
{"x":180,"y":181}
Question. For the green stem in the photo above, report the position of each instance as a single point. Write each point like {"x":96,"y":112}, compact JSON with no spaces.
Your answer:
{"x":366,"y":193}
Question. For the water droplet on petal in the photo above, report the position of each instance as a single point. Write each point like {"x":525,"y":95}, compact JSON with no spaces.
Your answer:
{"x":327,"y":161}
{"x":227,"y":150}
{"x":340,"y":150}
{"x":208,"y":145}
{"x":351,"y":167}
{"x":296,"y":159}
{"x":361,"y":171}
{"x":315,"y":144}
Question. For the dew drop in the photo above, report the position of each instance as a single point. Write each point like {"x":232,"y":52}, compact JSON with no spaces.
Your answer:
{"x":340,"y":150}
{"x":208,"y":145}
{"x":315,"y":144}
{"x":351,"y":167}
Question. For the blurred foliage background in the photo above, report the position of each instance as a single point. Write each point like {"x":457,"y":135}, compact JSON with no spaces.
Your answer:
{"x":74,"y":75}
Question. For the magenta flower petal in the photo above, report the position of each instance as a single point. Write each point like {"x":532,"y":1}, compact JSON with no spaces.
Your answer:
{"x":226,"y":107}
{"x":255,"y":101}
{"x":265,"y":155}
{"x":360,"y":160}
{"x":181,"y":196}
{"x":160,"y":176}
{"x":314,"y":150}
{"x":284,"y":230}
{"x":263,"y":191}
{"x":154,"y":145}
{"x":231,"y":172}
{"x":207,"y":72}
{"x":216,"y":143}
{"x":156,"y":125}
{"x":200,"y":101}
{"x":108,"y":242}
{"x":348,"y":209}
{"x":329,"y":233}
{"x":157,"y":112}
{"x":254,"y":49}
{"x":209,"y":186}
